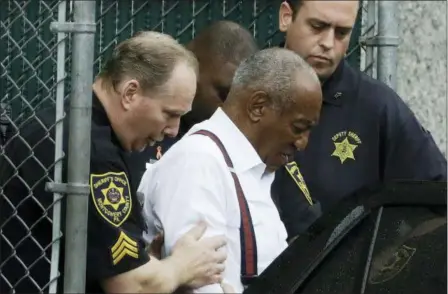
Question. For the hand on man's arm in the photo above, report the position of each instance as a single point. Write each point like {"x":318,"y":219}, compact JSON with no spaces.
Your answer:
{"x":117,"y":255}
{"x":194,"y":263}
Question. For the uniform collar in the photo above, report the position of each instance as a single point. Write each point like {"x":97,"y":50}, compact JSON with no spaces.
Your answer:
{"x":100,"y":118}
{"x":241,"y":151}
{"x":334,"y":88}
{"x":99,"y":114}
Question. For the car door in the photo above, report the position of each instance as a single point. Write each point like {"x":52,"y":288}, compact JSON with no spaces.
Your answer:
{"x":385,"y":239}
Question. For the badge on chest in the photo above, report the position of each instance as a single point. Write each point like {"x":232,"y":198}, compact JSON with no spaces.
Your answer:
{"x":345,"y":143}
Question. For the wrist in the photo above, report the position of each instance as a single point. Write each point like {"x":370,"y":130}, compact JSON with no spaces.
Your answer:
{"x":176,"y":271}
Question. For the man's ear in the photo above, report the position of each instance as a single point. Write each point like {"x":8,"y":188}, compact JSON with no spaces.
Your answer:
{"x":285,"y":17}
{"x":257,"y":105}
{"x":128,"y":91}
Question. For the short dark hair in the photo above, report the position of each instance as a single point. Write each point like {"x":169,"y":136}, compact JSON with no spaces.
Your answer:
{"x":226,"y":40}
{"x":295,"y":6}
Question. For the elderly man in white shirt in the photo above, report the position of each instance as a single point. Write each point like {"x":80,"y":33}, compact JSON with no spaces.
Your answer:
{"x":221,"y":171}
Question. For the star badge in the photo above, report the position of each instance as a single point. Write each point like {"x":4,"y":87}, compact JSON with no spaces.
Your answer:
{"x":113,"y":196}
{"x":344,"y":150}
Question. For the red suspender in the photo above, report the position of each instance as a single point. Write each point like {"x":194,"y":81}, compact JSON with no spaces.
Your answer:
{"x":247,"y":235}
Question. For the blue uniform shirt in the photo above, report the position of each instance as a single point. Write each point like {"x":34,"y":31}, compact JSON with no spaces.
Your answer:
{"x":366,"y":135}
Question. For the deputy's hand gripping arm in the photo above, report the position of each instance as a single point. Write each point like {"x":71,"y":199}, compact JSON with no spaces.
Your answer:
{"x":193,"y":263}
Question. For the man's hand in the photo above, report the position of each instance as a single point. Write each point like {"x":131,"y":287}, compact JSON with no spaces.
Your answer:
{"x":199,"y":262}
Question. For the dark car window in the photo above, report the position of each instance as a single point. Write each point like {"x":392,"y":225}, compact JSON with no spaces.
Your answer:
{"x":388,"y":239}
{"x":409,"y":254}
{"x":405,"y":250}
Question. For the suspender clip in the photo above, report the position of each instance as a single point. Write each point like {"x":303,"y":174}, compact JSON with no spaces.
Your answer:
{"x":247,"y":280}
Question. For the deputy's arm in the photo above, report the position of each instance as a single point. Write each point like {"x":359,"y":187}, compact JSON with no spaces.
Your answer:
{"x":116,"y":252}
{"x":191,"y":259}
{"x":153,"y":277}
{"x":411,"y":152}
{"x":117,"y":256}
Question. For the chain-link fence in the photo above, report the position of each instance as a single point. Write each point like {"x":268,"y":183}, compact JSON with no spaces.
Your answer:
{"x":31,"y":66}
{"x":118,"y":20}
{"x":35,"y":74}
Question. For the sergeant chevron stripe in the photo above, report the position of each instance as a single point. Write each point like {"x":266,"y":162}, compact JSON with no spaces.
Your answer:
{"x":124,"y":246}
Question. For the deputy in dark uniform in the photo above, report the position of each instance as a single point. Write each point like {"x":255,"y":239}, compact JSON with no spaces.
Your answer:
{"x":366,"y":134}
{"x":130,"y":109}
{"x":219,"y":48}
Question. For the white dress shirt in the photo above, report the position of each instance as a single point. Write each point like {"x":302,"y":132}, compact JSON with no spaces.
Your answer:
{"x":192,"y":182}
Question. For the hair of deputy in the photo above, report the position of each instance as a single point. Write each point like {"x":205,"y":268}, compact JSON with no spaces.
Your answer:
{"x":225,"y":40}
{"x":295,"y":6}
{"x":149,"y":57}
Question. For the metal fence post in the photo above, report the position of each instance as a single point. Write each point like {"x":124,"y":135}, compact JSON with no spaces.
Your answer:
{"x":371,"y":21}
{"x":388,"y":42}
{"x":58,"y":153}
{"x":79,"y":149}
{"x":77,"y":190}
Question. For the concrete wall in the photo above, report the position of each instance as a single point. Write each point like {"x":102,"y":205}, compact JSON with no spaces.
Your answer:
{"x":422,"y":63}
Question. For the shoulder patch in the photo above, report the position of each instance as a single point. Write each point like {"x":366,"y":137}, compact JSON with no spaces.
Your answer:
{"x":124,"y":246}
{"x":112,"y":196}
{"x":295,"y":173}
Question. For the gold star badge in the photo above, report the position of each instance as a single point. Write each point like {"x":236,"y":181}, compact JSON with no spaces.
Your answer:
{"x":344,"y":150}
{"x":113,"y":196}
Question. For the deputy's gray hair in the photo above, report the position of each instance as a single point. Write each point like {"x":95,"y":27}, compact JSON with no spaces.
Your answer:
{"x":272,"y":71}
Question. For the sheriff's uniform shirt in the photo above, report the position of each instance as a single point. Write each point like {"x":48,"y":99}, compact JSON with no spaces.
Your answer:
{"x":366,"y":135}
{"x":115,"y":243}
